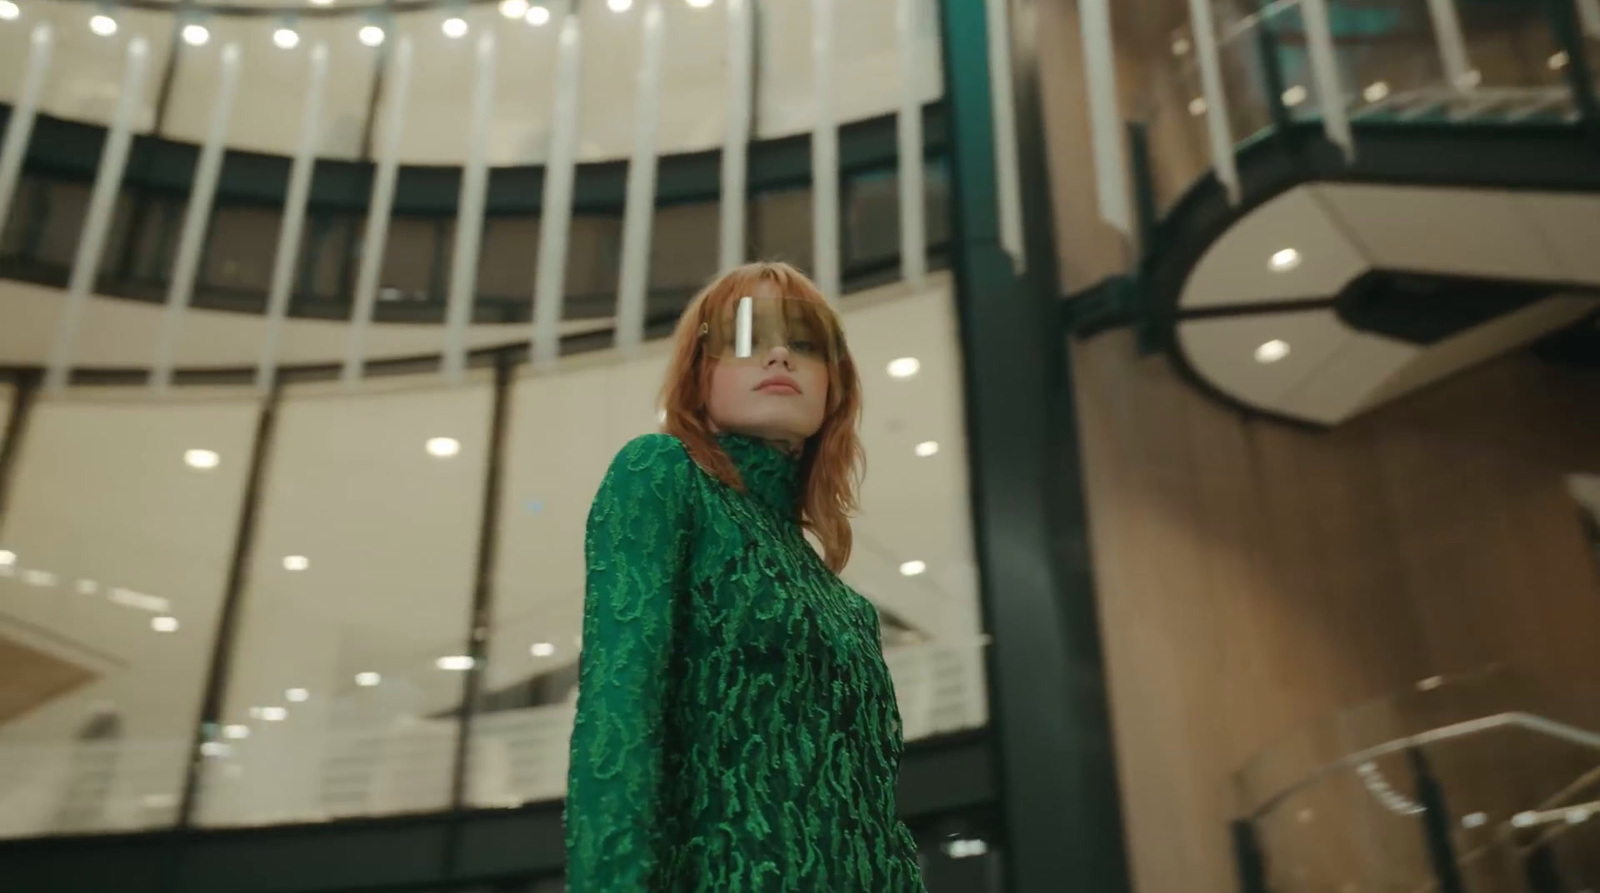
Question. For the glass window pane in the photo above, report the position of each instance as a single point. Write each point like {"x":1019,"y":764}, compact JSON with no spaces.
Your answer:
{"x":236,"y":270}
{"x":364,"y":559}
{"x":117,"y":555}
{"x":780,"y":226}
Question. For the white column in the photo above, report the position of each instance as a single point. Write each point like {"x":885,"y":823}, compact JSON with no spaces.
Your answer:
{"x":639,"y":213}
{"x":1452,"y":45}
{"x":908,"y":130}
{"x":294,"y":217}
{"x":556,"y":207}
{"x":469,"y":216}
{"x":824,"y":156}
{"x":397,"y":89}
{"x":1223,"y":162}
{"x":1008,"y":180}
{"x":736,"y":137}
{"x":1105,"y":120}
{"x":23,"y":111}
{"x":102,"y":202}
{"x":195,"y":219}
{"x":1325,"y":74}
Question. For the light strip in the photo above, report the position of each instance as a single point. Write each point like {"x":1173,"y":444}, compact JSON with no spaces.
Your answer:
{"x":1452,"y":45}
{"x":20,"y":128}
{"x":1105,"y":120}
{"x":555,"y":220}
{"x":1002,"y":96}
{"x":469,"y":215}
{"x":1325,"y":74}
{"x":639,"y":213}
{"x":397,"y":89}
{"x":195,"y":219}
{"x":908,"y":130}
{"x":736,"y":137}
{"x":102,"y":202}
{"x":824,"y":156}
{"x":294,"y":217}
{"x":1224,"y":165}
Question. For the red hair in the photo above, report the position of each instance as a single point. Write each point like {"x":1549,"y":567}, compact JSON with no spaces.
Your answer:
{"x":832,"y":460}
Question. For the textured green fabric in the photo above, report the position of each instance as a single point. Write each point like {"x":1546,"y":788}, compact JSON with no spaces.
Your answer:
{"x":737,"y":728}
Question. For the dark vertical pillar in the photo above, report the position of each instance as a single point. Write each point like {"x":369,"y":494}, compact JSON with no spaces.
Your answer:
{"x":1247,"y":858}
{"x":1563,"y":16}
{"x":15,"y":426}
{"x":1062,"y":816}
{"x":1272,"y":76}
{"x":1436,"y":825}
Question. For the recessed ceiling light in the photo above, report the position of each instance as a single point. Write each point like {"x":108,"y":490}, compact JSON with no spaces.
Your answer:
{"x":443,"y":447}
{"x":928,"y":448}
{"x":1180,"y":47}
{"x":196,"y":35}
{"x":1272,"y":351}
{"x":201,"y":459}
{"x":214,"y":749}
{"x":1525,"y":819}
{"x":103,"y":25}
{"x":1294,"y":95}
{"x":274,"y":714}
{"x":912,"y":568}
{"x":368,"y":679}
{"x":34,"y":577}
{"x":9,"y":11}
{"x":454,"y":27}
{"x":1197,"y":106}
{"x":296,"y":562}
{"x":1284,"y":259}
{"x":88,"y":587}
{"x":700,"y":4}
{"x":286,"y":38}
{"x":164,"y":624}
{"x":7,"y":558}
{"x":1474,"y":820}
{"x":454,"y":662}
{"x":904,"y":367}
{"x":620,"y":5}
{"x":297,"y":695}
{"x":513,"y":9}
{"x":537,"y":15}
{"x":1376,"y":91}
{"x":255,"y":712}
{"x":542,"y":649}
{"x":371,"y":35}
{"x":236,"y":732}
{"x":1558,"y":61}
{"x":321,"y":2}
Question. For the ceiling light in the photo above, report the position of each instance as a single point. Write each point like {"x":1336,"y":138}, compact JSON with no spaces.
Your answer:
{"x":321,"y":2}
{"x":927,"y":448}
{"x":537,"y":15}
{"x":700,"y":4}
{"x":1180,"y":47}
{"x":368,"y":679}
{"x":619,"y":5}
{"x":164,"y":624}
{"x":1558,"y":61}
{"x":371,"y":35}
{"x":1525,"y":819}
{"x":7,"y":558}
{"x":542,"y":649}
{"x":88,"y":587}
{"x":9,"y":11}
{"x":454,"y":662}
{"x":1197,"y":106}
{"x":236,"y":732}
{"x":286,"y":38}
{"x":297,"y":695}
{"x":274,"y":714}
{"x":513,"y":9}
{"x":1474,"y":820}
{"x":1376,"y":91}
{"x":255,"y":712}
{"x":214,"y":749}
{"x":201,"y":459}
{"x":196,"y":35}
{"x":103,"y":25}
{"x":444,"y":447}
{"x":296,"y":562}
{"x":454,"y":27}
{"x":38,"y":578}
{"x":905,"y":367}
{"x":912,"y":568}
{"x":1272,"y":351}
{"x":1294,"y":95}
{"x":1284,"y":259}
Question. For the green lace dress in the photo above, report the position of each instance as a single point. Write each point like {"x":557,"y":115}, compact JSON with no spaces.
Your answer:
{"x":737,"y":728}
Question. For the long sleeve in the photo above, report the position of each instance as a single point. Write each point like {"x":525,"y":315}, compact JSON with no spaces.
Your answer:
{"x":635,"y":550}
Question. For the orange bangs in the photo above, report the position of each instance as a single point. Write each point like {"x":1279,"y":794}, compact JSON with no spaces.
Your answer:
{"x":831,"y":464}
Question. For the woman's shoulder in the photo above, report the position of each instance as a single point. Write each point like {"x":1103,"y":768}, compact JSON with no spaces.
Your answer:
{"x":659,"y":461}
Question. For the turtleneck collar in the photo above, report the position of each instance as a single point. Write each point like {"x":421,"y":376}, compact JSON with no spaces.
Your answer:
{"x":770,"y":475}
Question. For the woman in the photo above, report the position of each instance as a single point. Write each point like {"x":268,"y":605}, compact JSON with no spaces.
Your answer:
{"x":737,"y":729}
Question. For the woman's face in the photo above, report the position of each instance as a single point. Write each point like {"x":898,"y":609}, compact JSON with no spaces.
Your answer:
{"x":778,"y":393}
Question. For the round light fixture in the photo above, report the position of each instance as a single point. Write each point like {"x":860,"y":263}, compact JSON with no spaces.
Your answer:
{"x":1558,"y":61}
{"x":700,"y":4}
{"x":7,"y":558}
{"x":214,"y":749}
{"x":164,"y":624}
{"x":1474,"y":820}
{"x":274,"y":714}
{"x":196,"y":35}
{"x":286,"y":38}
{"x":1197,"y":106}
{"x":297,"y":695}
{"x":619,"y":5}
{"x":296,"y":562}
{"x":542,"y":649}
{"x":201,"y":459}
{"x":370,"y":35}
{"x":454,"y":662}
{"x":321,"y":2}
{"x":368,"y":679}
{"x":1272,"y":351}
{"x":513,"y":9}
{"x":9,"y":11}
{"x":1180,"y":47}
{"x":912,"y":568}
{"x":454,"y":27}
{"x":443,"y":447}
{"x":236,"y":732}
{"x":927,"y":448}
{"x":1284,"y":260}
{"x":103,"y":25}
{"x":904,"y":367}
{"x":88,"y":587}
{"x":1294,"y":95}
{"x":537,"y":15}
{"x":1377,"y":91}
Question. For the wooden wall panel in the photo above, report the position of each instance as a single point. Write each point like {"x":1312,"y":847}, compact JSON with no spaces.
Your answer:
{"x":1255,"y":578}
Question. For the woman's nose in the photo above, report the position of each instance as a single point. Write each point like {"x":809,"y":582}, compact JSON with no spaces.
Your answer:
{"x":778,"y":354}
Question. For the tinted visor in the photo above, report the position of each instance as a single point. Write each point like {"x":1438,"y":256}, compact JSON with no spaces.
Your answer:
{"x":750,"y":327}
